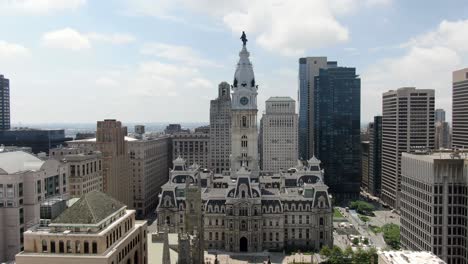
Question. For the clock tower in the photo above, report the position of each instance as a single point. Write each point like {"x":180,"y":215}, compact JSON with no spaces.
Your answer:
{"x":244,"y":137}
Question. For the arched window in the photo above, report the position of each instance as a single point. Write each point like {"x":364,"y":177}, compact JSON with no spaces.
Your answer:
{"x":168,"y":220}
{"x":86,"y":247}
{"x":52,"y":246}
{"x":44,"y":245}
{"x":61,"y":247}
{"x":77,"y":247}
{"x":69,"y":246}
{"x":244,"y":121}
{"x":94,"y":247}
{"x":244,"y":225}
{"x":321,"y":221}
{"x":243,"y":194}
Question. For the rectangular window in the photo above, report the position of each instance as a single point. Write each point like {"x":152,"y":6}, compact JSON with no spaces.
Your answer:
{"x":10,"y":191}
{"x":1,"y":190}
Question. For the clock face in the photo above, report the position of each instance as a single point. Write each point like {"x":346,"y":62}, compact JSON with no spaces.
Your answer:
{"x":244,"y":100}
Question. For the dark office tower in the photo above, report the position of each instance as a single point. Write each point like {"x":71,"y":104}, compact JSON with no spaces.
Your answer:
{"x":308,"y":69}
{"x":337,"y":121}
{"x":365,"y":165}
{"x":4,"y":103}
{"x":375,"y":155}
{"x":220,"y":130}
{"x":460,"y":109}
{"x":439,"y":115}
{"x":407,"y":126}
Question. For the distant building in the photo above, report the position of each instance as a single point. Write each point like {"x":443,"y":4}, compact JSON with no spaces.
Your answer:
{"x":279,"y":134}
{"x":365,"y":158}
{"x":39,"y":140}
{"x":309,"y":68}
{"x":442,"y":136}
{"x":375,"y":156}
{"x":4,"y":103}
{"x":193,"y":147}
{"x":337,"y":129}
{"x":439,"y":115}
{"x":149,"y":161}
{"x":85,"y":135}
{"x":220,"y":130}
{"x":407,"y":125}
{"x":25,"y":182}
{"x":175,"y":128}
{"x":203,"y":129}
{"x":14,"y":148}
{"x":433,"y":204}
{"x":111,"y":141}
{"x":85,"y":172}
{"x":459,"y":109}
{"x":406,"y":256}
{"x":104,"y":231}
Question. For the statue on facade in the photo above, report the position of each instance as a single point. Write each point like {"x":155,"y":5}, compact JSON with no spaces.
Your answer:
{"x":244,"y":38}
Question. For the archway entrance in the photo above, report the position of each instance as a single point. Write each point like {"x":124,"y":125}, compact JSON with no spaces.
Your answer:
{"x":243,"y":245}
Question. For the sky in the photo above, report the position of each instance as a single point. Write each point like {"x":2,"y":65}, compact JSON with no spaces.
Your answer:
{"x":162,"y":60}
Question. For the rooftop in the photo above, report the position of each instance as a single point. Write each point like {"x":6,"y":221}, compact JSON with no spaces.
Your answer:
{"x":280,"y":99}
{"x":91,"y":208}
{"x":406,"y":257}
{"x":94,"y":140}
{"x":18,"y":161}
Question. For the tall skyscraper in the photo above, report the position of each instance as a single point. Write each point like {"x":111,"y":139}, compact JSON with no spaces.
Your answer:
{"x":439,"y":115}
{"x":365,"y":155}
{"x":117,"y":179}
{"x":279,"y":134}
{"x":433,"y":204}
{"x":4,"y":103}
{"x":375,"y":155}
{"x":337,"y":110}
{"x":459,"y":109}
{"x":407,"y":125}
{"x":244,"y":138}
{"x":442,"y":135}
{"x":309,"y":68}
{"x":220,"y":129}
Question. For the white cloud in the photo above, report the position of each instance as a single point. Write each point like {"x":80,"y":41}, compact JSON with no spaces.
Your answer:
{"x":39,"y":6}
{"x":117,"y":38}
{"x":107,"y":82}
{"x":66,"y":38}
{"x":183,"y":54}
{"x":427,"y":62}
{"x":12,"y":50}
{"x":284,"y":26}
{"x":69,"y":38}
{"x":200,"y":83}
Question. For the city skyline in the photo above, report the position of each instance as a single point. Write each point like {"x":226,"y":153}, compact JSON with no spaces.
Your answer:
{"x":68,"y":49}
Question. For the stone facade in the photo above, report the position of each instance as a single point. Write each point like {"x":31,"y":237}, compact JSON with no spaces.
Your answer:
{"x":193,"y":147}
{"x":25,"y":182}
{"x":220,"y":130}
{"x":279,"y":134}
{"x":287,"y":210}
{"x":97,"y":229}
{"x":433,"y":204}
{"x":149,"y":159}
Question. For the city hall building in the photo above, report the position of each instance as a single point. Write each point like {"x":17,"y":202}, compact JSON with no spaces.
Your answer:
{"x":244,"y":209}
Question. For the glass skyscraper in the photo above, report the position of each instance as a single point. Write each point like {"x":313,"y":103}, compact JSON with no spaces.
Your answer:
{"x":309,"y":68}
{"x":337,"y":121}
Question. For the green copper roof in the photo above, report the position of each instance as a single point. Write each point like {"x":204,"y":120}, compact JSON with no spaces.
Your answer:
{"x":91,"y":208}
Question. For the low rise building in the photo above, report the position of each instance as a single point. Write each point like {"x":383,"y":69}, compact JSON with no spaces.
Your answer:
{"x":406,"y":257}
{"x":25,"y":182}
{"x":96,"y":229}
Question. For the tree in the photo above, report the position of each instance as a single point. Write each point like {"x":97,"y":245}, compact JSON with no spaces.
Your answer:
{"x":362,"y":207}
{"x":391,"y":234}
{"x":325,"y":251}
{"x":366,"y":241}
{"x":355,"y":241}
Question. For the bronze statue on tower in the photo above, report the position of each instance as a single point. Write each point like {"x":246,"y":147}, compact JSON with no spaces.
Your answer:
{"x":244,"y":38}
